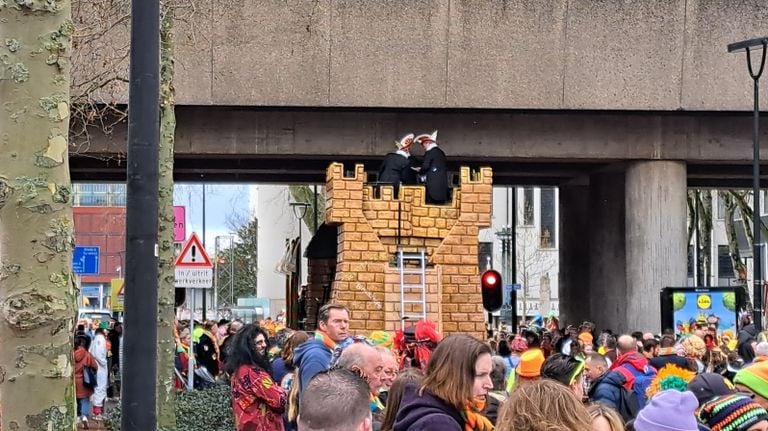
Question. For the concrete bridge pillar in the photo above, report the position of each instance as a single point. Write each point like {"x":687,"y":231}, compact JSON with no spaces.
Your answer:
{"x":622,"y":239}
{"x":607,"y":251}
{"x":656,"y":237}
{"x":573,"y":280}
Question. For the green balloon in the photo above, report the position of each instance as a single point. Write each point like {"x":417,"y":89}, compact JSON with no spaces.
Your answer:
{"x":678,"y":301}
{"x":729,"y":301}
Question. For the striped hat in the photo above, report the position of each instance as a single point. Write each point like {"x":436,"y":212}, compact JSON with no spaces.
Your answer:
{"x":755,"y":378}
{"x":733,"y":412}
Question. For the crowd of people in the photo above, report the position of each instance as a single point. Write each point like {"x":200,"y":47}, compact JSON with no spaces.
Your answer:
{"x":542,"y":378}
{"x":97,"y":356}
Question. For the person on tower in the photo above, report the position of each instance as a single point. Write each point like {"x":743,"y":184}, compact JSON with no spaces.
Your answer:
{"x":396,"y":167}
{"x":433,"y":169}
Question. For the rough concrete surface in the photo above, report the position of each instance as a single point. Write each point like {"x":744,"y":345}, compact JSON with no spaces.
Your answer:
{"x":712,"y":78}
{"x":517,"y":54}
{"x":271,"y":52}
{"x":506,"y":53}
{"x":656,"y":237}
{"x":624,"y":54}
{"x":193,"y":46}
{"x":388,"y":52}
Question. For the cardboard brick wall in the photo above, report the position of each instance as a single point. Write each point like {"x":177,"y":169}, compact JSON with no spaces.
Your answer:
{"x":367,"y":279}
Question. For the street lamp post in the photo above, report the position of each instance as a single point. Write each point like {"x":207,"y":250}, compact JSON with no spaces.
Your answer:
{"x":505,"y":235}
{"x":747,"y":45}
{"x":299,"y":211}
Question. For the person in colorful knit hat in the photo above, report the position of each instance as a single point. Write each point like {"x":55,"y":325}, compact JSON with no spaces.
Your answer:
{"x":670,"y":377}
{"x":669,"y":410}
{"x":734,"y":412}
{"x":754,"y":380}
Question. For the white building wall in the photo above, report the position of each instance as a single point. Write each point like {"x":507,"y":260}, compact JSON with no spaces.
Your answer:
{"x":531,"y":258}
{"x":270,"y":205}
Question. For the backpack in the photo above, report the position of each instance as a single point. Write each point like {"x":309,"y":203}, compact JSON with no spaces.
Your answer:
{"x":89,"y":377}
{"x":627,"y":405}
{"x":638,"y":382}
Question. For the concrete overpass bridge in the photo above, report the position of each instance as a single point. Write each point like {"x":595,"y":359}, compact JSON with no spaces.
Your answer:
{"x":623,"y":104}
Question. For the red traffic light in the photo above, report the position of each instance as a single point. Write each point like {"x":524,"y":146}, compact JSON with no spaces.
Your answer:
{"x":491,"y":290}
{"x":490,"y":278}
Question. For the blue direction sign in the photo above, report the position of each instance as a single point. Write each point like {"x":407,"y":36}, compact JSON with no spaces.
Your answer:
{"x":85,"y":260}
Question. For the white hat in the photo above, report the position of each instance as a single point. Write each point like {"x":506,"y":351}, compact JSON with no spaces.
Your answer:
{"x":426,"y":137}
{"x":404,"y":142}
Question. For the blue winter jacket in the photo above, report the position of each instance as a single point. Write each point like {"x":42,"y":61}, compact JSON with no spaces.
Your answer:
{"x":311,"y":358}
{"x":607,"y":389}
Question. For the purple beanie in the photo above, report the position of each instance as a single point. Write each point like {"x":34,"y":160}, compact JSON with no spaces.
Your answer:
{"x":669,"y":410}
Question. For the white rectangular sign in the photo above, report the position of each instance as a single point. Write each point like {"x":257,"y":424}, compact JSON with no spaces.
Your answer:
{"x":201,"y":278}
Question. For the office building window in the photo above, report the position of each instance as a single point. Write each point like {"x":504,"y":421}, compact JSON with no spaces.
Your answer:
{"x":724,"y":262}
{"x":528,"y":219}
{"x":99,"y":195}
{"x":720,"y":206}
{"x":548,"y":220}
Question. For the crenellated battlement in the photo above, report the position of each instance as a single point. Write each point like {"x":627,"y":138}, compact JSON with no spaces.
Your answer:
{"x":373,"y":223}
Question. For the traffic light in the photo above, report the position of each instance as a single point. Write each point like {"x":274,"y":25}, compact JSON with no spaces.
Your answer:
{"x":492,"y":290}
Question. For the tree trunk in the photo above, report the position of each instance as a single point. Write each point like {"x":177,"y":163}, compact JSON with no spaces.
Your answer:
{"x":746,"y":216}
{"x":166,"y":397}
{"x":705,"y":235}
{"x":691,"y":213}
{"x":37,"y":297}
{"x":739,"y":268}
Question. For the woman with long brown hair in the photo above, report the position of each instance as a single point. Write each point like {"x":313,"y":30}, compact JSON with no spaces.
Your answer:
{"x":283,"y":366}
{"x":453,"y":392}
{"x":543,"y":405}
{"x":408,"y":377}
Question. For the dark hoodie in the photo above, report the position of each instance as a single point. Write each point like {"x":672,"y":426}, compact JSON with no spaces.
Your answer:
{"x":311,"y":358}
{"x":426,"y":412}
{"x":746,"y":338}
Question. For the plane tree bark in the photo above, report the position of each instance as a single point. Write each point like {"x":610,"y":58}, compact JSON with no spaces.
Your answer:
{"x":37,"y":295}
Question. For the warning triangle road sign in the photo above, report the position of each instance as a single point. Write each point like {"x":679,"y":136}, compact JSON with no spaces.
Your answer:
{"x":193,"y":255}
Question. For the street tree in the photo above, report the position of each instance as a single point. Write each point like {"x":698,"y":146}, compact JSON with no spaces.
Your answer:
{"x":166,"y":311}
{"x":242,"y":258}
{"x":37,"y":296}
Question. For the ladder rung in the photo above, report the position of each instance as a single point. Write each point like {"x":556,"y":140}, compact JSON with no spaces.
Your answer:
{"x":407,"y":301}
{"x":412,"y":286}
{"x":412,"y":256}
{"x":411,"y":271}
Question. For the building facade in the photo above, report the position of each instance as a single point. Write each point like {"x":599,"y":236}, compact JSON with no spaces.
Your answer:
{"x":532,"y":214}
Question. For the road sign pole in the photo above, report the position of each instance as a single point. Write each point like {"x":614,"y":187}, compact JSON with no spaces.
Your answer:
{"x":191,"y":355}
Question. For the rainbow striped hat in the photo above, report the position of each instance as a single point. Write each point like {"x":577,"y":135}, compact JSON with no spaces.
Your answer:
{"x":733,"y":412}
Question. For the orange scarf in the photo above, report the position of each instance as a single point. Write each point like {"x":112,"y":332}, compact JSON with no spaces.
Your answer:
{"x":473,"y":420}
{"x":326,"y":339}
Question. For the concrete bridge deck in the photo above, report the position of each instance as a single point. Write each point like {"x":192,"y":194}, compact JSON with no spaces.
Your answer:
{"x":533,"y":147}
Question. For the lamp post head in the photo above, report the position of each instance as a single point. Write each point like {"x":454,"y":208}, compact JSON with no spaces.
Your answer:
{"x":746,"y":45}
{"x":299,"y":209}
